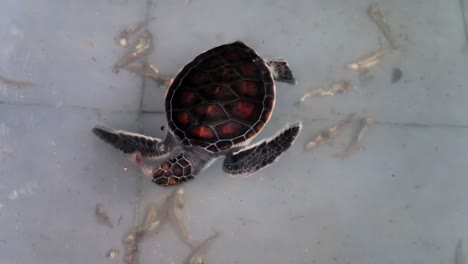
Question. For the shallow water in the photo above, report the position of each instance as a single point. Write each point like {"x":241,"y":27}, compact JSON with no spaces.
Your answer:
{"x":400,"y":199}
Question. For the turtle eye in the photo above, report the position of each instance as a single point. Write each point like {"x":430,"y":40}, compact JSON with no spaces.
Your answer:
{"x":161,"y":147}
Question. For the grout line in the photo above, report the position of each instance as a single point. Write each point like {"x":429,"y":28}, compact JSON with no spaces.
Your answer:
{"x":140,"y":118}
{"x":140,"y":110}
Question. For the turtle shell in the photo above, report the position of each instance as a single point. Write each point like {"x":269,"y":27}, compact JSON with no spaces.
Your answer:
{"x":222,"y":98}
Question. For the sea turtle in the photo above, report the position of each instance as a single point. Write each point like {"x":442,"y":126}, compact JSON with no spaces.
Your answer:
{"x":214,"y":107}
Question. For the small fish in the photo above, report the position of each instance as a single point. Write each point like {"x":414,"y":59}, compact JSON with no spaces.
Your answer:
{"x":143,"y":69}
{"x":163,"y":80}
{"x":149,"y":70}
{"x":198,"y":252}
{"x":142,"y":48}
{"x":176,"y":204}
{"x":17,"y":83}
{"x":102,"y":216}
{"x":336,"y":88}
{"x":123,"y":37}
{"x":152,"y":220}
{"x":329,"y":133}
{"x":376,"y":15}
{"x":459,"y":256}
{"x":131,"y":242}
{"x":368,"y":62}
{"x":357,"y":140}
{"x":112,"y":253}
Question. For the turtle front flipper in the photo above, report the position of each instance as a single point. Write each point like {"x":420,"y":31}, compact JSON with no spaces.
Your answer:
{"x":281,"y":70}
{"x":128,"y":142}
{"x":253,"y":158}
{"x":179,"y":168}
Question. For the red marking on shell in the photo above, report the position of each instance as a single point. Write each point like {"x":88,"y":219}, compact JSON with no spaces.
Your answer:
{"x":230,"y":128}
{"x":187,"y":97}
{"x":248,"y":70}
{"x":217,"y":92}
{"x":202,"y":132}
{"x":205,"y":109}
{"x":166,"y":165}
{"x":251,"y":134}
{"x":249,"y":89}
{"x":243,"y":109}
{"x":183,"y":118}
{"x":161,"y":181}
{"x":259,"y":126}
{"x":173,"y":181}
{"x":266,"y":115}
{"x":209,"y":112}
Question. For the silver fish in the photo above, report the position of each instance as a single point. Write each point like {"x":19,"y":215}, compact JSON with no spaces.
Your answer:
{"x":149,"y":70}
{"x":376,"y":15}
{"x":123,"y":37}
{"x":155,"y":217}
{"x":143,"y":69}
{"x":153,"y":220}
{"x":199,"y":252}
{"x":176,"y":204}
{"x":336,"y":88}
{"x":143,"y":47}
{"x":102,"y":216}
{"x":329,"y":133}
{"x":357,"y":140}
{"x":367,"y":62}
{"x":131,"y":243}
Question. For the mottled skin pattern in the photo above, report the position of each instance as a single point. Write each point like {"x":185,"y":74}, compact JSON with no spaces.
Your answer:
{"x":260,"y":155}
{"x":129,"y":142}
{"x":215,"y":105}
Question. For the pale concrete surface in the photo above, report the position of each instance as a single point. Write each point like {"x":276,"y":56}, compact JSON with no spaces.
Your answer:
{"x":402,"y":199}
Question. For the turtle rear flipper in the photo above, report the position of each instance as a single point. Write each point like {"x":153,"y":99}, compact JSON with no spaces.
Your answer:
{"x":128,"y":142}
{"x":281,"y":70}
{"x":253,"y":158}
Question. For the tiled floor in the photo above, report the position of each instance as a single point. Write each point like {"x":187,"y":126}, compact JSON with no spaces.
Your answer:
{"x":402,"y":199}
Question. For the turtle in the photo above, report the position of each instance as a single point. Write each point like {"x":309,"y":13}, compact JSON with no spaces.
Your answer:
{"x":214,"y":107}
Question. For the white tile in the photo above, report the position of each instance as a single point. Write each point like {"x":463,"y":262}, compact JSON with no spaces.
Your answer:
{"x":54,"y":44}
{"x":54,"y":172}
